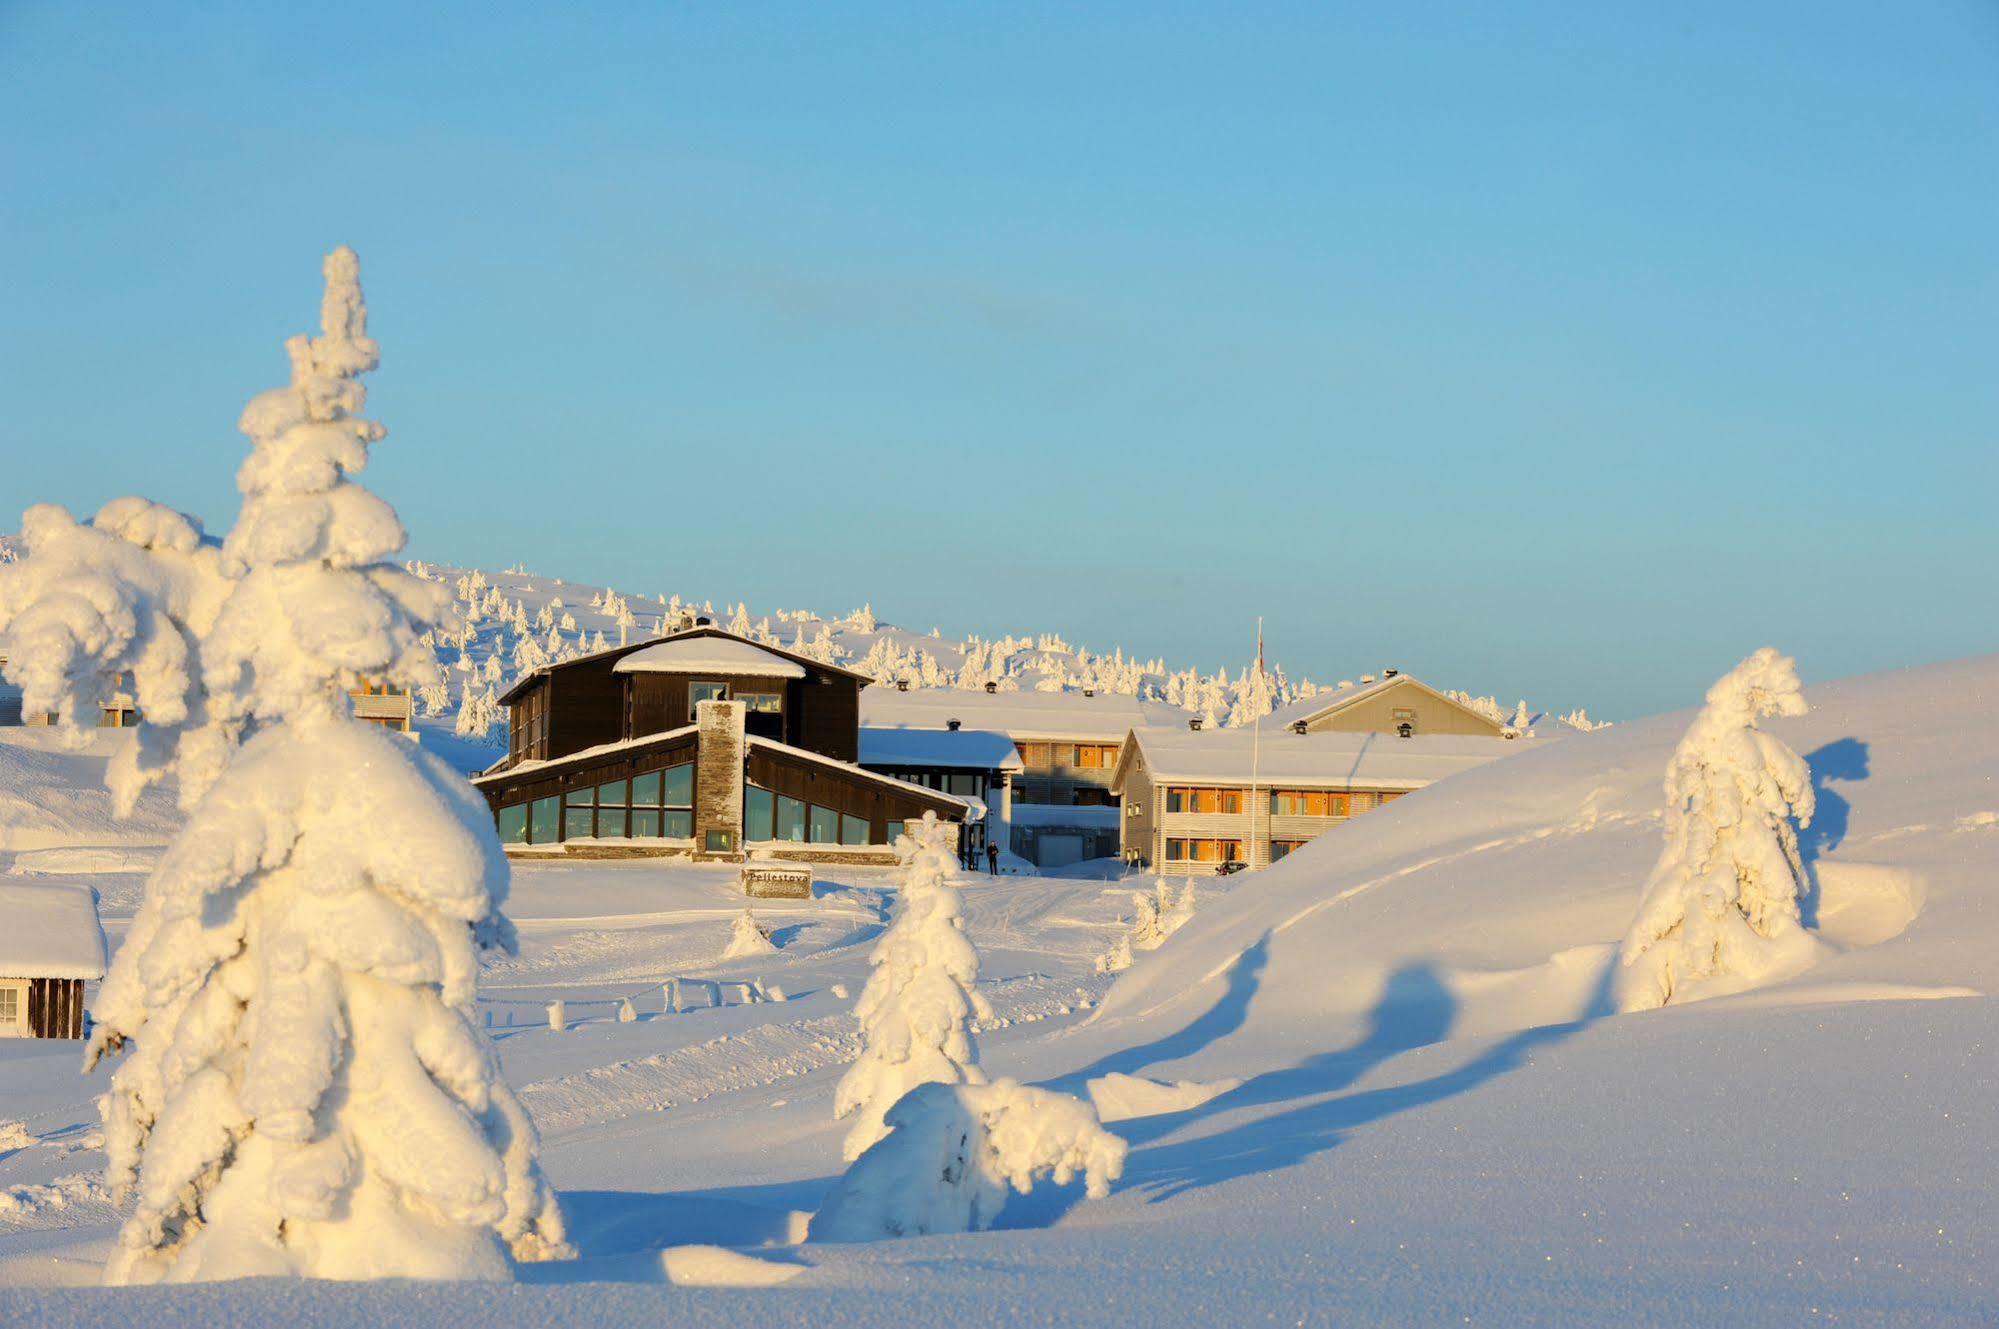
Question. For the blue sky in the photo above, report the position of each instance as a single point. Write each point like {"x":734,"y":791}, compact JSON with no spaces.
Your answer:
{"x":1561,"y":350}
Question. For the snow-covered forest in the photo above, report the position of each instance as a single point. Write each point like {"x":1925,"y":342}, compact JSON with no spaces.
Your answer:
{"x":514,"y":621}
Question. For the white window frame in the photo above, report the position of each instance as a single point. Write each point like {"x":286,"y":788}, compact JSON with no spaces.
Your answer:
{"x":18,"y":1026}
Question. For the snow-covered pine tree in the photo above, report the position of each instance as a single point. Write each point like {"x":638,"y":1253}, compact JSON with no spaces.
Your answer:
{"x":1722,"y":901}
{"x":746,"y":938}
{"x":305,"y":1089}
{"x":917,"y":1009}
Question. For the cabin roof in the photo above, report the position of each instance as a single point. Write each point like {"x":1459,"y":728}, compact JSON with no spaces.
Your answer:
{"x":1021,"y":716}
{"x":708,"y":655}
{"x":964,"y":749}
{"x":49,"y":931}
{"x":1327,"y":759}
{"x":805,"y":662}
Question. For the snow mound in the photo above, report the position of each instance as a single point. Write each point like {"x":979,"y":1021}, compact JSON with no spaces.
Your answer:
{"x":51,"y":797}
{"x":1492,"y":902}
{"x":1121,"y":1097}
{"x":717,"y":1266}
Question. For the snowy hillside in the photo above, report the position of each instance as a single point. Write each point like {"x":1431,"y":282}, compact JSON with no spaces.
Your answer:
{"x":1376,"y":1083}
{"x":516,"y":621}
{"x":52,"y":798}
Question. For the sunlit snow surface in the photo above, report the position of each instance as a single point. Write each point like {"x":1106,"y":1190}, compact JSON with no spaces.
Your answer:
{"x":1435,"y":1122}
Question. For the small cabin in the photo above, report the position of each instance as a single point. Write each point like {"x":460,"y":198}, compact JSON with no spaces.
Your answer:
{"x":51,"y":944}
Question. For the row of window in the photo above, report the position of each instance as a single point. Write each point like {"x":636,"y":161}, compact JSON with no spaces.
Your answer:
{"x":773,"y":816}
{"x":762,"y":703}
{"x":1087,"y":756}
{"x":1283,"y":802}
{"x":1203,"y":851}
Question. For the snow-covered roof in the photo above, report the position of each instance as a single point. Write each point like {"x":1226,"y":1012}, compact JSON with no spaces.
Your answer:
{"x":1325,"y":760}
{"x":1328,"y":699}
{"x":1021,"y":716}
{"x":970,"y":805}
{"x":968,"y":749}
{"x":49,"y":931}
{"x":585,"y":754}
{"x":708,"y":654}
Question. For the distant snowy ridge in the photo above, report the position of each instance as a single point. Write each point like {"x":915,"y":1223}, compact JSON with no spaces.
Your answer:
{"x":517,"y":622}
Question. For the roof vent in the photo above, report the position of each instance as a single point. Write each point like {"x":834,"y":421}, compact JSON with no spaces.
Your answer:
{"x":953,"y":725}
{"x":1297,"y":726}
{"x":991,"y":688}
{"x":1390,"y":673}
{"x":704,"y":622}
{"x":1405,"y":730}
{"x":1195,"y":724}
{"x":1089,"y":692}
{"x":902,"y":685}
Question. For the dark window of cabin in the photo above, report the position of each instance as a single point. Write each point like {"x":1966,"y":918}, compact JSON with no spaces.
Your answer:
{"x":824,"y":826}
{"x":759,"y":814}
{"x":853,"y":830}
{"x":790,"y":818}
{"x":704,"y":691}
{"x":514,"y":824}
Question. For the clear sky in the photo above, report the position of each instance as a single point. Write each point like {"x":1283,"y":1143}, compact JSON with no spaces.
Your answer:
{"x":1566,"y":350}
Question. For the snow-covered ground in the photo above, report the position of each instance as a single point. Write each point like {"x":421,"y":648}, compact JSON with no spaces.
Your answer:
{"x":1377,"y":1082}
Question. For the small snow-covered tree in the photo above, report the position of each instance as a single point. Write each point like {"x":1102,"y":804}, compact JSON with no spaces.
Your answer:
{"x":954,"y":1150}
{"x":917,"y":1009}
{"x":306,"y":1090}
{"x":746,"y":938}
{"x":1722,"y":901}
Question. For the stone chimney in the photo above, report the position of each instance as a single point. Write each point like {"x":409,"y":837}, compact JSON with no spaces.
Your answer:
{"x":718,"y":780}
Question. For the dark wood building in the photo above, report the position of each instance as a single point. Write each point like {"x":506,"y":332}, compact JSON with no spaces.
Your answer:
{"x":51,"y":945}
{"x":700,"y":743}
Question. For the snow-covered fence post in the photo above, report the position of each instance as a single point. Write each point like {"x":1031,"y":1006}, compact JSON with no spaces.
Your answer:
{"x":558,"y":1015}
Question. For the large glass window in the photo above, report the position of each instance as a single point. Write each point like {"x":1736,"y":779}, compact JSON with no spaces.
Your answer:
{"x":514,"y":824}
{"x":1094,"y":756}
{"x":645,"y":790}
{"x":759,"y":813}
{"x":611,"y":822}
{"x":545,"y":821}
{"x":824,"y":827}
{"x":790,"y":818}
{"x":763,"y":703}
{"x":679,"y":782}
{"x":853,"y":830}
{"x":894,"y":832}
{"x":678,"y":823}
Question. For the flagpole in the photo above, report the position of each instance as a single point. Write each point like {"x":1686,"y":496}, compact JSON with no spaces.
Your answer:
{"x":1256,"y":743}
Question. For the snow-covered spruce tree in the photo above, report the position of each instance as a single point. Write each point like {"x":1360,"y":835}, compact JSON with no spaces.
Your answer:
{"x":305,"y":1089}
{"x":1722,"y":901}
{"x":952,"y":1152}
{"x":917,"y":1009}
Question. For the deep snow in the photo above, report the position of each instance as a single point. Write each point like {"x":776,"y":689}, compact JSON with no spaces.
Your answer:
{"x":1436,"y":1118}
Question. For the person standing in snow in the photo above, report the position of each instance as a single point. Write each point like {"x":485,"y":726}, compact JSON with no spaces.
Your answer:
{"x":992,"y":857}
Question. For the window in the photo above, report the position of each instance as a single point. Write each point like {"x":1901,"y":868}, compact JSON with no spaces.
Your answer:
{"x":661,"y":805}
{"x":825,"y":826}
{"x":761,"y":703}
{"x":759,"y":813}
{"x":1203,"y":800}
{"x":1279,"y":848}
{"x":1358,"y":803}
{"x":611,"y":823}
{"x":10,"y":1004}
{"x":514,"y":824}
{"x":1306,"y":803}
{"x":964,"y":786}
{"x":790,"y":818}
{"x":1091,"y":798}
{"x":1094,"y":756}
{"x":1034,"y":756}
{"x":545,"y":821}
{"x":853,"y":830}
{"x":894,"y":832}
{"x":700,"y":692}
{"x":1176,"y":851}
{"x":719,"y":842}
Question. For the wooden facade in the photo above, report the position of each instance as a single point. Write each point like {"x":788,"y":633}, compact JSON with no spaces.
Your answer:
{"x":55,"y":1007}
{"x":708,"y":763}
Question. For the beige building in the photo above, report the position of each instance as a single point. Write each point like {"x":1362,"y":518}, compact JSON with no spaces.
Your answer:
{"x":1194,"y":800}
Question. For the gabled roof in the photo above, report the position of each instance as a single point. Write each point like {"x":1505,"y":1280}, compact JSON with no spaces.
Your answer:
{"x":708,"y":655}
{"x":805,"y":662}
{"x":1021,"y":716}
{"x":964,"y":749}
{"x":49,"y":932}
{"x":1313,"y":709}
{"x":1326,"y":759}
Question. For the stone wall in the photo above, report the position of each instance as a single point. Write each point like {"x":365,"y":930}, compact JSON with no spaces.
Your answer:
{"x":718,"y":780}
